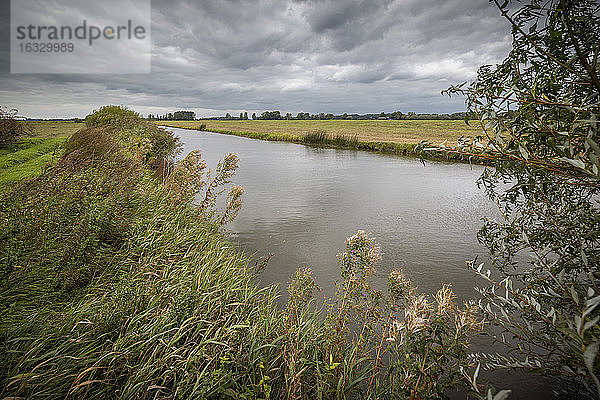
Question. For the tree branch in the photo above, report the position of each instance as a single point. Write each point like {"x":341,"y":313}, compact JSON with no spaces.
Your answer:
{"x":580,"y":55}
{"x":533,"y":43}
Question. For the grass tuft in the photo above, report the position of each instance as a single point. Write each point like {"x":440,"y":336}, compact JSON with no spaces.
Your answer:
{"x":316,"y":137}
{"x":321,"y":137}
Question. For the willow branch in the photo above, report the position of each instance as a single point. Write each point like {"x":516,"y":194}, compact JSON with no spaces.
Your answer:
{"x":578,"y":50}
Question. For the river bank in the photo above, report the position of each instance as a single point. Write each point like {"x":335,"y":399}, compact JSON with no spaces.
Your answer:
{"x":343,"y":137}
{"x":393,"y":131}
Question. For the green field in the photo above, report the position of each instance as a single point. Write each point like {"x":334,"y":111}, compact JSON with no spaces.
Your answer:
{"x":28,"y":156}
{"x":394,"y":131}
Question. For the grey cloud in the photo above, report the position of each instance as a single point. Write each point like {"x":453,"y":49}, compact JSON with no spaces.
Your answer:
{"x":332,"y":14}
{"x":337,"y":56}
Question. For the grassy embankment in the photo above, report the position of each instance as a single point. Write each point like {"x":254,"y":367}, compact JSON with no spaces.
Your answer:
{"x":112,"y":286}
{"x":116,"y":281}
{"x":28,"y":156}
{"x":390,"y":136}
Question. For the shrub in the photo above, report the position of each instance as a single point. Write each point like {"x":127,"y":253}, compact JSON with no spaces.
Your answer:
{"x":116,"y":116}
{"x":404,"y":346}
{"x":11,"y":128}
{"x":150,"y":144}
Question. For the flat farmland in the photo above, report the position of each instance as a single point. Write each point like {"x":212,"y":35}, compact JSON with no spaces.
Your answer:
{"x":49,"y":129}
{"x":394,"y":131}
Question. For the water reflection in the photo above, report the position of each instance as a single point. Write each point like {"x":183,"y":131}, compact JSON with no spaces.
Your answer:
{"x":300,"y":203}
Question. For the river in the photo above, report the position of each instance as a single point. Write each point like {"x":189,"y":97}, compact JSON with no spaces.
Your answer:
{"x":300,"y":203}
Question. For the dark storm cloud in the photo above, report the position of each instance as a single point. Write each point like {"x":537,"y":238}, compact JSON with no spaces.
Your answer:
{"x":331,"y":15}
{"x":337,"y":56}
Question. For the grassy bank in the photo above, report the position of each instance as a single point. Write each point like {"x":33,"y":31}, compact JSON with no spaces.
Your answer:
{"x":325,"y":138}
{"x":114,"y":286}
{"x":116,"y":281}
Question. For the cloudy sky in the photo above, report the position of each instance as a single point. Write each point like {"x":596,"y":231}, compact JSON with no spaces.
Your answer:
{"x":218,"y":56}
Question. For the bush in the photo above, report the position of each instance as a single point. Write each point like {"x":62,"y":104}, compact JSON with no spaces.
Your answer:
{"x":405,"y":346}
{"x":116,"y":116}
{"x":150,"y":144}
{"x":11,"y":128}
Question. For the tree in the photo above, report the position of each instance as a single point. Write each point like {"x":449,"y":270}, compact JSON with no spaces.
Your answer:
{"x":184,"y":115}
{"x":253,"y":115}
{"x":396,"y":115}
{"x":245,"y":115}
{"x":539,"y":111}
{"x":271,"y":115}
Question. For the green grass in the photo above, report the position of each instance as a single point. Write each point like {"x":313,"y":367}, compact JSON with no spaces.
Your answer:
{"x":317,"y":137}
{"x":321,"y":137}
{"x":53,"y":128}
{"x":28,"y":157}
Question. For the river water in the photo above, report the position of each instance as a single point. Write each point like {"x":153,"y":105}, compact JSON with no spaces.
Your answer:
{"x":300,"y":203}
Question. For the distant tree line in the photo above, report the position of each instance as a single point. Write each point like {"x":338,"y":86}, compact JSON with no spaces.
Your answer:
{"x":277,"y":115}
{"x":397,"y":115}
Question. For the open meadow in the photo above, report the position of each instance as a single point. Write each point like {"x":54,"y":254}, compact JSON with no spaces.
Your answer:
{"x":48,"y":129}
